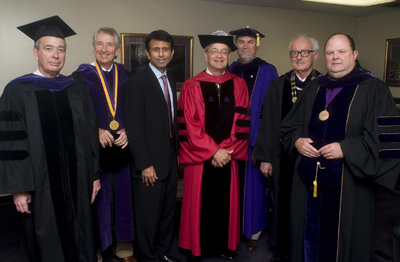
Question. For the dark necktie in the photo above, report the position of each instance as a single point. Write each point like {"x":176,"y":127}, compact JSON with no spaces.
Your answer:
{"x":168,"y":99}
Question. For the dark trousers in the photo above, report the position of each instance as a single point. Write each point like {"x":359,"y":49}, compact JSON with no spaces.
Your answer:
{"x":154,"y":211}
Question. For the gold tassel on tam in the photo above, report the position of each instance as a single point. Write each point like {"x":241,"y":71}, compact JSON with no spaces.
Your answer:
{"x":258,"y":39}
{"x":316,"y":176}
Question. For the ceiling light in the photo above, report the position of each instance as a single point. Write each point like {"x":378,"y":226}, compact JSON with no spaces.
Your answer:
{"x":353,"y":2}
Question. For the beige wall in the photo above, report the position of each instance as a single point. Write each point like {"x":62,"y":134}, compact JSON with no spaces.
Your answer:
{"x":184,"y":17}
{"x":372,"y":33}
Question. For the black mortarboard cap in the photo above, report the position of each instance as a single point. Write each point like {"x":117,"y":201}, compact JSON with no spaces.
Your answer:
{"x":247,"y":31}
{"x":51,"y":26}
{"x":206,"y":40}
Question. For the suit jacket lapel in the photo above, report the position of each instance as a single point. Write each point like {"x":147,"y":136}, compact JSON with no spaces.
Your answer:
{"x":155,"y":86}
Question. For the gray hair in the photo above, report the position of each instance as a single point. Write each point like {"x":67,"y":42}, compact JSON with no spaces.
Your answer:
{"x":108,"y":31}
{"x":313,"y":41}
{"x":36,"y":44}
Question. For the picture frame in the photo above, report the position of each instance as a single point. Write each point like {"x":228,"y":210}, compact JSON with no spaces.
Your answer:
{"x":134,"y":58}
{"x":392,"y":62}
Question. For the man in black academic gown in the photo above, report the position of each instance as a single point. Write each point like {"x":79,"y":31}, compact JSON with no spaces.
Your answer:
{"x":49,"y":153}
{"x":345,"y":127}
{"x":279,"y":100}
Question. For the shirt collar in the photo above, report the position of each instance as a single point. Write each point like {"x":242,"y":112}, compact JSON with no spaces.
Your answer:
{"x":109,"y":70}
{"x":209,"y":72}
{"x":38,"y":73}
{"x":156,"y":71}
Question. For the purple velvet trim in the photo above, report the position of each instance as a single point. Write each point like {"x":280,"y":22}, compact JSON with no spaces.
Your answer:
{"x":327,"y":177}
{"x":239,"y":68}
{"x":388,"y":121}
{"x":321,"y":230}
{"x":389,"y":137}
{"x":325,"y":132}
{"x":331,"y":93}
{"x":247,"y":71}
{"x":52,"y":84}
{"x":354,"y":78}
{"x":311,"y":231}
{"x":89,"y":73}
{"x":123,"y":207}
{"x":322,"y":212}
{"x":389,"y":154}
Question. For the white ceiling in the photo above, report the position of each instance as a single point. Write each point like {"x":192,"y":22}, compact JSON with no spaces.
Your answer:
{"x":318,"y":7}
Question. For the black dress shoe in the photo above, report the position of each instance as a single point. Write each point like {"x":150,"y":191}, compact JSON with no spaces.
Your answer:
{"x":279,"y":259}
{"x":192,"y":258}
{"x":228,"y":255}
{"x":168,"y":258}
{"x":252,"y":245}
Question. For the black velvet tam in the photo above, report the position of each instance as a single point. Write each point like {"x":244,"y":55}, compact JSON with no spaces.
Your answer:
{"x":206,"y":40}
{"x":247,"y":31}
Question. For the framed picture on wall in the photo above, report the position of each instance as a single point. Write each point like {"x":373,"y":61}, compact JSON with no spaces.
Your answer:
{"x":134,"y":58}
{"x":392,"y":62}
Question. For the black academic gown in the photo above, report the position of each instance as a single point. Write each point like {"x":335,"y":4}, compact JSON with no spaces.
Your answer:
{"x":363,"y":168}
{"x":277,"y":104}
{"x":50,"y":149}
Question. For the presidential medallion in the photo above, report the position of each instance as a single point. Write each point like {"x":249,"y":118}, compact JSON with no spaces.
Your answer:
{"x":324,"y":115}
{"x":114,"y":125}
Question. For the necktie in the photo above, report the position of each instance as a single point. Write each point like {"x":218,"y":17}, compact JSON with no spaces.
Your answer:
{"x":168,"y":99}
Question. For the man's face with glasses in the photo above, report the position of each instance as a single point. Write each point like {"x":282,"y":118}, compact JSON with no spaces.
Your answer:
{"x":302,"y":56}
{"x":217,"y":57}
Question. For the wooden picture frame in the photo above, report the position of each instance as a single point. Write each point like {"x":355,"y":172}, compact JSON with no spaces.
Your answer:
{"x":392,"y":62}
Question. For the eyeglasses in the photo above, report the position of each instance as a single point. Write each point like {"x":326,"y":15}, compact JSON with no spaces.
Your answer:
{"x":304,"y":53}
{"x":222,"y":52}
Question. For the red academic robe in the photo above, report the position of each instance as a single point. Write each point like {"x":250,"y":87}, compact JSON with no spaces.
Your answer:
{"x":199,"y":147}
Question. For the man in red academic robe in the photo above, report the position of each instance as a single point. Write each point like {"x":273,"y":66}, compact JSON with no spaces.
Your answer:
{"x":214,"y":123}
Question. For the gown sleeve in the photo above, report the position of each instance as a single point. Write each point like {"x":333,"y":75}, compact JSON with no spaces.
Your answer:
{"x":16,"y":171}
{"x":268,"y":130}
{"x":92,"y":126}
{"x":373,"y":153}
{"x":196,"y":146}
{"x":294,"y":125}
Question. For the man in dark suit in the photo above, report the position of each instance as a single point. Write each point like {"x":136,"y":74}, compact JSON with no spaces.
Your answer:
{"x":150,"y":113}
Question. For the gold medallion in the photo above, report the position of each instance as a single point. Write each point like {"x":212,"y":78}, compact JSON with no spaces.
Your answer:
{"x":324,"y":115}
{"x":294,"y":99}
{"x":114,"y":125}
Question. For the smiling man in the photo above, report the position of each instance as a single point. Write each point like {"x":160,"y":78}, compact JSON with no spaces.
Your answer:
{"x":106,"y":81}
{"x":214,"y":124}
{"x":258,"y":75}
{"x":345,"y":128}
{"x":150,"y":111}
{"x":49,"y":151}
{"x":280,"y":98}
